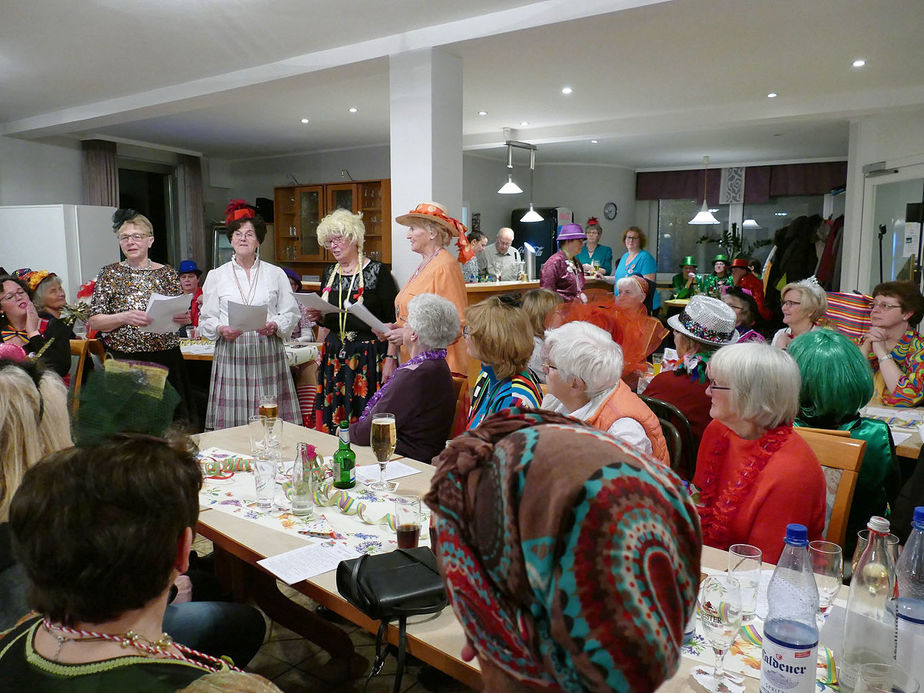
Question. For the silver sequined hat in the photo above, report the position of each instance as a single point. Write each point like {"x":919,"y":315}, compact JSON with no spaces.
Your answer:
{"x":708,"y":320}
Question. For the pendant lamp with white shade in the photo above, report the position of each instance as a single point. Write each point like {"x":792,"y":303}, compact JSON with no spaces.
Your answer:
{"x":704,"y":216}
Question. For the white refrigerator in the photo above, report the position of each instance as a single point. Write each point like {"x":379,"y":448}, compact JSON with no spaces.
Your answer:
{"x":73,"y":241}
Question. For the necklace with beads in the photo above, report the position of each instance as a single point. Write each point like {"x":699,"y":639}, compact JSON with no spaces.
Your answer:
{"x":339,"y":274}
{"x":251,"y":282}
{"x":163,"y":647}
{"x":148,"y":265}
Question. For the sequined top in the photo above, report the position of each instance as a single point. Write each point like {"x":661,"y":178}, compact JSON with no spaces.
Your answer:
{"x":120,"y":288}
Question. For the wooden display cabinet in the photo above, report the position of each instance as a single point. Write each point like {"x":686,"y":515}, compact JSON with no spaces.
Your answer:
{"x":298,"y":211}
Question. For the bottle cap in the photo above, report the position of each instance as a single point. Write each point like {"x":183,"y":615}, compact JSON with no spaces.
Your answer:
{"x":878,"y":524}
{"x":344,"y":424}
{"x":918,"y":515}
{"x":796,"y":535}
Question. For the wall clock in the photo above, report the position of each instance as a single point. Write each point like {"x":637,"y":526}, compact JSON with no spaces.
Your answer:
{"x":609,"y":210}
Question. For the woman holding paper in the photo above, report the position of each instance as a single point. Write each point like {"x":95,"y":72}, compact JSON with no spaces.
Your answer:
{"x":248,"y":362}
{"x":352,"y":357}
{"x":120,"y":300}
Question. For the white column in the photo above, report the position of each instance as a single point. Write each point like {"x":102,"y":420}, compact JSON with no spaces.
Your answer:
{"x":426,"y":142}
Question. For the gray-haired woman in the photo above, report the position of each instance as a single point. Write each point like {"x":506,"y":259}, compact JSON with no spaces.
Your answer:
{"x":420,"y":394}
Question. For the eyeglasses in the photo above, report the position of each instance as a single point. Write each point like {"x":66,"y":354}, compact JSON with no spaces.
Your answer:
{"x":546,"y":366}
{"x":13,"y":295}
{"x":790,"y":304}
{"x":884,"y":306}
{"x":632,"y":238}
{"x":336,"y":240}
{"x":240,"y":235}
{"x":712,"y":386}
{"x":136,"y":237}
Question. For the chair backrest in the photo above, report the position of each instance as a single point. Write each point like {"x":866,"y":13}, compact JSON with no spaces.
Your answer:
{"x":460,"y":419}
{"x":674,"y":444}
{"x":79,"y":351}
{"x":683,"y":459}
{"x":840,"y":459}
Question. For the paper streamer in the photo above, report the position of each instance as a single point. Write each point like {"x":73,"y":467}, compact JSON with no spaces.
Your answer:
{"x":217,"y":465}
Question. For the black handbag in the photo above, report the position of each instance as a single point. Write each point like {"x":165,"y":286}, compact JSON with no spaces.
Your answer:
{"x":392,"y":586}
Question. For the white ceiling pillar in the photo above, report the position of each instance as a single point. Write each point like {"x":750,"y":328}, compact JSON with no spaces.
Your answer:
{"x":426,"y":142}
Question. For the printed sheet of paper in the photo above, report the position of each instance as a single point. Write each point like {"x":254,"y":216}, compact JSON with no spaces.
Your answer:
{"x":308,"y":561}
{"x":315,"y":302}
{"x":360,"y":311}
{"x":161,"y":310}
{"x":393,"y":470}
{"x":246,"y":318}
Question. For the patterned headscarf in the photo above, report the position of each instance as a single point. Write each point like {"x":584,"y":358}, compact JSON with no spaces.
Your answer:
{"x":570,"y":560}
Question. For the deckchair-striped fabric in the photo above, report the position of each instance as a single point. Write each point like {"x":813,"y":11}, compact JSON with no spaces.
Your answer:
{"x":849,"y":313}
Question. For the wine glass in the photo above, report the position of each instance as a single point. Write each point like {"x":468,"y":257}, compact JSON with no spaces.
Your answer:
{"x":383,"y":438}
{"x":720,"y":615}
{"x":828,"y":566}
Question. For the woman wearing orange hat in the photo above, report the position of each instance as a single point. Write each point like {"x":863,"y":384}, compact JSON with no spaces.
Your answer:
{"x":430,"y":230}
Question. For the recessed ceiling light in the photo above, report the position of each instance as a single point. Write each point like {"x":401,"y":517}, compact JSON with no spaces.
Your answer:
{"x":352,"y":109}
{"x":305,"y":121}
{"x":482,"y":113}
{"x":524,"y":124}
{"x":772,"y":95}
{"x":566,"y":90}
{"x":780,"y":214}
{"x":860,"y":62}
{"x":594,"y":142}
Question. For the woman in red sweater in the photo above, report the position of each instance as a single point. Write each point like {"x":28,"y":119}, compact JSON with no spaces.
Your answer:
{"x":754,"y":475}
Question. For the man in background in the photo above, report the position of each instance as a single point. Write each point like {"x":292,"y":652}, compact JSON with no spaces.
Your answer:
{"x":501,"y":260}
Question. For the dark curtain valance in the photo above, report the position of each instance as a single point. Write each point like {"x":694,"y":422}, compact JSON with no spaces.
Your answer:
{"x":760,"y":182}
{"x":100,"y":173}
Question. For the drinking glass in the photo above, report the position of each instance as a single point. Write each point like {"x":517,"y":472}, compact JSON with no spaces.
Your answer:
{"x":383,"y":438}
{"x":268,"y":406}
{"x":744,"y":563}
{"x":720,"y":614}
{"x":408,"y":520}
{"x":264,"y":477}
{"x":884,"y":678}
{"x":256,"y":428}
{"x":828,"y":566}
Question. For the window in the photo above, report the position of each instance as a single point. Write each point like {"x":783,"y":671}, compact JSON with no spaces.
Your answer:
{"x":677,"y":237}
{"x":778,"y":213}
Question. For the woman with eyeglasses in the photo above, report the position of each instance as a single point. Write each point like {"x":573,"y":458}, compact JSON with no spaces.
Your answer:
{"x":893,"y":346}
{"x":754,"y":474}
{"x":353,"y":358}
{"x":804,"y":304}
{"x":22,"y":326}
{"x":253,"y":363}
{"x":120,"y":299}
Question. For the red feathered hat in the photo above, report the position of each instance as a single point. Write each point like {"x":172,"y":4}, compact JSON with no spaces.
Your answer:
{"x":239,"y":209}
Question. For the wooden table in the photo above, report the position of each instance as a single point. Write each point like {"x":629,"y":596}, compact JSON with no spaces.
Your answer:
{"x":677,"y":303}
{"x":437,"y":640}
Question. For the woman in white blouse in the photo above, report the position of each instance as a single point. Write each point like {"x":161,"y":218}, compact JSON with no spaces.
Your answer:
{"x":248,"y":364}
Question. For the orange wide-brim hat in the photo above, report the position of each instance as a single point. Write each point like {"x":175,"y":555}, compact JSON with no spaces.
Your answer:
{"x":435,"y":212}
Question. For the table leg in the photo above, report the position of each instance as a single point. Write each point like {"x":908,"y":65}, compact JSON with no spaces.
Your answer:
{"x":264,"y":590}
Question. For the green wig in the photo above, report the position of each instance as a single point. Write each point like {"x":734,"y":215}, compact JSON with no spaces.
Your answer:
{"x":836,"y":377}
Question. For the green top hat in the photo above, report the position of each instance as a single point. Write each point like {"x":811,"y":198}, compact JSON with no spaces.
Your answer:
{"x":720,"y":258}
{"x":688,"y":261}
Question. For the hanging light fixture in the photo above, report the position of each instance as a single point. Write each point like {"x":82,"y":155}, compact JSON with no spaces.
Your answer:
{"x":532,"y":214}
{"x":510,"y":188}
{"x":704,"y":216}
{"x":750,"y":224}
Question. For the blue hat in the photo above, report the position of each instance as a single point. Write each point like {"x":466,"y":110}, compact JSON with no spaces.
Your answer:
{"x":189,"y":266}
{"x":569,"y":232}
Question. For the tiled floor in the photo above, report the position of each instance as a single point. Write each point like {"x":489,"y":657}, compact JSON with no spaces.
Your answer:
{"x":298,"y":666}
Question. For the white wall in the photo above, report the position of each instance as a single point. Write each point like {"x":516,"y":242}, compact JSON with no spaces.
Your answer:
{"x":35,"y":173}
{"x":896,"y":138}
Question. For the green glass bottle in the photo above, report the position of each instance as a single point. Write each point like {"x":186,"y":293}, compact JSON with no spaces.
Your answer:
{"x":344,"y":459}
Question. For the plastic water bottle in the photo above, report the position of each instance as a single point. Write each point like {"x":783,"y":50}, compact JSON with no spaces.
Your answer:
{"x":869,"y":624}
{"x":790,"y":647}
{"x":909,"y":573}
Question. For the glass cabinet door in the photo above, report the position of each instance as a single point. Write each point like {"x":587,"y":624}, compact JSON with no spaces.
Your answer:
{"x":341,"y":196}
{"x":309,"y":216}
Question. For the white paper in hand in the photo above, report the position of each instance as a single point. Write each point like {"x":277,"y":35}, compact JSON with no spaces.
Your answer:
{"x":315,"y":302}
{"x":360,"y":311}
{"x":246,"y":318}
{"x":161,"y":310}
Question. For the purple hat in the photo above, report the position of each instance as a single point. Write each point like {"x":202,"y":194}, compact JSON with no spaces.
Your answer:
{"x":293,"y":276}
{"x":570,"y":232}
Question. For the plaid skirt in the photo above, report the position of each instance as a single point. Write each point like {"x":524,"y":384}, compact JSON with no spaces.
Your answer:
{"x":244,"y":369}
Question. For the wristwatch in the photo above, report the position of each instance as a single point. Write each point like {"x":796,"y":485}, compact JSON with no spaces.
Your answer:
{"x":391,"y":356}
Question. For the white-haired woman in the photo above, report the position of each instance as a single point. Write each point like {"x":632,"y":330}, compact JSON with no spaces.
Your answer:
{"x":27,"y":395}
{"x":430,"y":230}
{"x":634,"y":292}
{"x":753,"y":473}
{"x":352,"y":360}
{"x":420,"y":394}
{"x":583,"y":371}
{"x":804,"y":304}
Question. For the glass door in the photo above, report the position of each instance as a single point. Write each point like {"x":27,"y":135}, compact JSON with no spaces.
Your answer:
{"x":891,"y":259}
{"x":309,"y":216}
{"x":341,"y":196}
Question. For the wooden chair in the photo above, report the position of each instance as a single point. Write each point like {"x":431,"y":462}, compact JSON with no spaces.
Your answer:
{"x":79,"y":351}
{"x":460,"y":419}
{"x":681,"y":443}
{"x":840,"y":458}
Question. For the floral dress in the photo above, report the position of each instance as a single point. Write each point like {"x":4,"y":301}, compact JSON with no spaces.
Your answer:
{"x":351,"y":366}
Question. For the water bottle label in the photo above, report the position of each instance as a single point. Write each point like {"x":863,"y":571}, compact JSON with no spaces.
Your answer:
{"x":785,"y":669}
